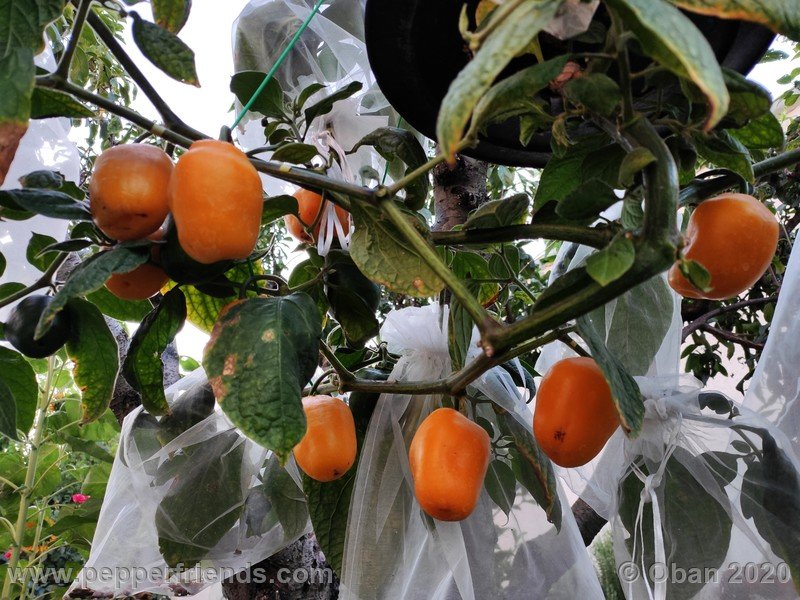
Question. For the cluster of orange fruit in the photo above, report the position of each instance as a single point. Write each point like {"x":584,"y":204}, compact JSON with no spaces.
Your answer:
{"x":214,"y":196}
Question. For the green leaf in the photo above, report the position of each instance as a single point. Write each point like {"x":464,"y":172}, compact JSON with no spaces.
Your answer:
{"x":171,"y":14}
{"x":383,"y":255}
{"x":501,"y":485}
{"x":516,"y":95}
{"x":673,"y":40}
{"x":261,"y":353}
{"x":499,"y":213}
{"x":48,"y":203}
{"x":123,"y":310}
{"x":278,"y":206}
{"x":723,"y":150}
{"x":324,"y":106}
{"x":328,"y":506}
{"x":395,"y":144}
{"x":288,"y":501}
{"x":165,"y":50}
{"x":93,"y":350}
{"x":748,"y":99}
{"x":270,"y":102}
{"x":762,"y":133}
{"x":8,"y":412}
{"x":510,"y":38}
{"x":532,"y":467}
{"x":3,"y":264}
{"x":309,"y":91}
{"x":296,"y":153}
{"x":459,"y":333}
{"x":353,"y":298}
{"x":471,"y":265}
{"x":24,"y":21}
{"x":635,"y":161}
{"x":779,"y":15}
{"x":305,"y":272}
{"x":770,"y":492}
{"x":47,"y":103}
{"x":16,"y":80}
{"x":636,"y":327}
{"x":696,"y":274}
{"x":202,"y":310}
{"x":587,"y":201}
{"x":624,"y":391}
{"x":596,"y":91}
{"x":203,"y":501}
{"x":612,"y":262}
{"x":18,"y":375}
{"x":34,"y":252}
{"x":88,"y":276}
{"x":42,"y":179}
{"x":564,"y":174}
{"x":143,"y":368}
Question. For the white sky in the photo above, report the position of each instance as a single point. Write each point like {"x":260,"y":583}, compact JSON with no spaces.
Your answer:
{"x":208,"y":33}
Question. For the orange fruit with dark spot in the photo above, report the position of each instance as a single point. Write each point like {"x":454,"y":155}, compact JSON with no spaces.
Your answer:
{"x":216,"y":201}
{"x":575,"y":414}
{"x":309,"y":206}
{"x":449,"y":456}
{"x":128,"y":191}
{"x":143,"y":282}
{"x":328,"y":449}
{"x":734,"y":236}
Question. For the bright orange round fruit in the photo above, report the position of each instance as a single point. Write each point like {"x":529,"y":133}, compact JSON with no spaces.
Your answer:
{"x":575,"y":415}
{"x":128,"y":191}
{"x":309,"y":205}
{"x":734,"y":236}
{"x":143,"y":282}
{"x":328,"y":449}
{"x":449,"y":456}
{"x":216,"y":200}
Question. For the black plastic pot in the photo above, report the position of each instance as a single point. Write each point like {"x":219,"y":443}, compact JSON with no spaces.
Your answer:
{"x":415,"y":51}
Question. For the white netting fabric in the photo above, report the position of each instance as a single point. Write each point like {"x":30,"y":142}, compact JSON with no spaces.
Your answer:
{"x":331,"y":51}
{"x":704,"y":502}
{"x":45,"y":145}
{"x":193,"y":490}
{"x":393,"y":550}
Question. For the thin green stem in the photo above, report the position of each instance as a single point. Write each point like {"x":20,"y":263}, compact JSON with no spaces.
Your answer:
{"x":474,"y":308}
{"x":26,"y":490}
{"x":344,"y":373}
{"x":77,"y":27}
{"x":171,"y":120}
{"x":595,"y":237}
{"x":46,"y":280}
{"x":624,"y":66}
{"x":520,"y":284}
{"x":398,"y":185}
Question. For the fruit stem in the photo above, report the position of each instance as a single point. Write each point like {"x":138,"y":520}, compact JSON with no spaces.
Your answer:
{"x":26,"y":490}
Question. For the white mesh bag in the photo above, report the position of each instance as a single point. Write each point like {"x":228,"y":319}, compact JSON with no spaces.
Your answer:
{"x":393,"y":550}
{"x":190,"y":501}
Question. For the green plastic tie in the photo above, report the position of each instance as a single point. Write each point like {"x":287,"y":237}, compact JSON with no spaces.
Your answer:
{"x":277,"y":64}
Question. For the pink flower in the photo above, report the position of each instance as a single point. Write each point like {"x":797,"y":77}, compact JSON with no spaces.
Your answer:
{"x":8,"y":554}
{"x":79,"y":498}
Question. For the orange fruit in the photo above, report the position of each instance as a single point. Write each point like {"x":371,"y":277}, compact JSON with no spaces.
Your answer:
{"x":128,"y":191}
{"x":309,"y":205}
{"x":575,"y":415}
{"x":143,"y":282}
{"x":449,"y":456}
{"x":216,"y":201}
{"x":328,"y":449}
{"x":734,"y":236}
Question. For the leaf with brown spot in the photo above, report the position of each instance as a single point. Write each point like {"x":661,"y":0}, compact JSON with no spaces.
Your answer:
{"x":261,"y":393}
{"x":94,"y":353}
